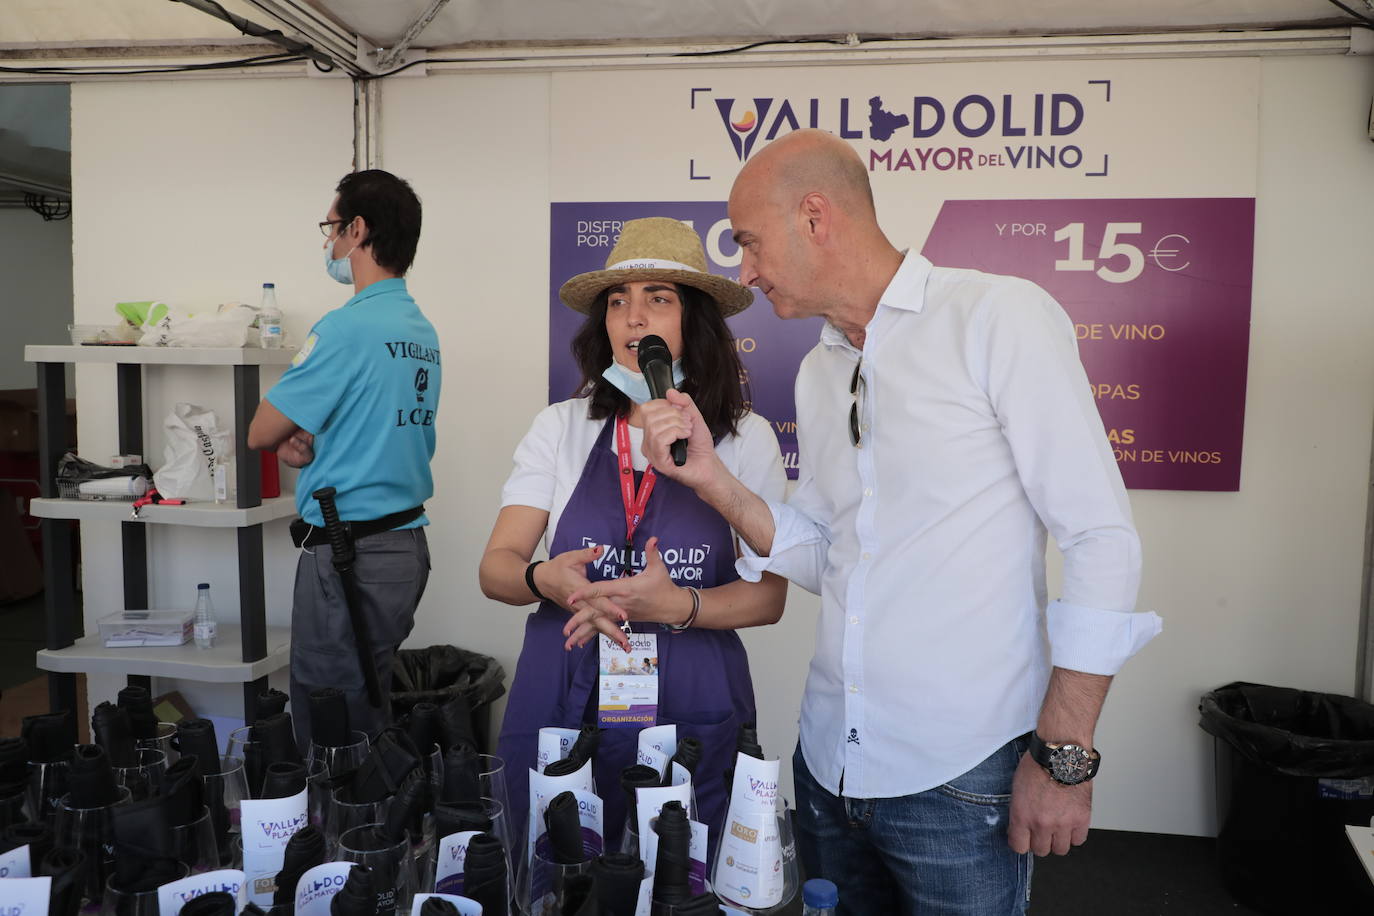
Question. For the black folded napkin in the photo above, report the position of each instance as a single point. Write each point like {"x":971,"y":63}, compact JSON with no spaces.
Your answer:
{"x":583,"y":749}
{"x":459,"y":817}
{"x":579,"y":896}
{"x":747,"y":741}
{"x":182,"y":793}
{"x":329,"y":717}
{"x":197,"y":737}
{"x":303,"y":852}
{"x":14,"y":780}
{"x":688,"y":754}
{"x":413,"y":800}
{"x":144,"y":850}
{"x":422,"y":726}
{"x":564,"y":829}
{"x":455,"y":724}
{"x":484,"y":875}
{"x":462,"y":774}
{"x":269,"y":703}
{"x":111,"y":729}
{"x":358,"y":896}
{"x":90,"y":781}
{"x":618,"y":876}
{"x":438,"y":906}
{"x":14,"y":765}
{"x":215,"y":903}
{"x":638,"y":776}
{"x":276,"y":740}
{"x":706,"y":904}
{"x":37,"y":836}
{"x":50,"y":736}
{"x":389,"y":761}
{"x":674,"y":860}
{"x":139,"y":704}
{"x":252,"y":909}
{"x":283,"y":780}
{"x":67,"y":868}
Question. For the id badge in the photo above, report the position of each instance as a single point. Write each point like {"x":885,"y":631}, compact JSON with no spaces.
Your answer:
{"x":628,"y":682}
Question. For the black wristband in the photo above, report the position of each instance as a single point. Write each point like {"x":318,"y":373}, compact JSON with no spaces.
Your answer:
{"x":529,"y":581}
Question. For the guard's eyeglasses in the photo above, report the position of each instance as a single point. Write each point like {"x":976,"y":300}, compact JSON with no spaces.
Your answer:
{"x":327,"y":226}
{"x":858,"y":388}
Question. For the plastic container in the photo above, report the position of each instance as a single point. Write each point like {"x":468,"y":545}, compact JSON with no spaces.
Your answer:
{"x":1293,"y":767}
{"x":205,"y":618}
{"x":269,"y":319}
{"x":145,"y":628}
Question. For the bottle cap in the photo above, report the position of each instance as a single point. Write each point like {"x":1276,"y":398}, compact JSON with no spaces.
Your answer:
{"x":819,"y":892}
{"x":203,"y":585}
{"x":269,"y":286}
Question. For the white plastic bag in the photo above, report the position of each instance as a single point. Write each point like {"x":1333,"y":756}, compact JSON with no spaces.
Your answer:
{"x":194,"y":440}
{"x":177,"y":328}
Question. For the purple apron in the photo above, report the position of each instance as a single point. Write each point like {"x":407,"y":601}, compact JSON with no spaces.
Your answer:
{"x":704,"y":684}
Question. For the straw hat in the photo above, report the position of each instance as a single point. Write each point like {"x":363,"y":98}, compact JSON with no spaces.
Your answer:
{"x":656,"y":248}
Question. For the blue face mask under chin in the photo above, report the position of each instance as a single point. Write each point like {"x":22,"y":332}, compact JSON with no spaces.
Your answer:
{"x":633,"y":385}
{"x":341,"y":269}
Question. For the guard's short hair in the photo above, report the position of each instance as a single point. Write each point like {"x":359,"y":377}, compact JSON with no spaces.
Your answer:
{"x":391,"y":210}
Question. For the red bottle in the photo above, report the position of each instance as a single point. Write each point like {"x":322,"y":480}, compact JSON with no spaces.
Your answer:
{"x":271,"y":475}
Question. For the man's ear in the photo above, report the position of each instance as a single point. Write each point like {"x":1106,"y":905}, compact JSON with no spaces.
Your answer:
{"x":358,"y":231}
{"x":816,"y":217}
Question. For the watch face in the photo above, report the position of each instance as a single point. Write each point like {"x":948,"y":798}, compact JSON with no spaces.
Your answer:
{"x":1069,"y":764}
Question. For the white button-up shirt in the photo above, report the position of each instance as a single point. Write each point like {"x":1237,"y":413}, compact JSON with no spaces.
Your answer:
{"x":926,"y":542}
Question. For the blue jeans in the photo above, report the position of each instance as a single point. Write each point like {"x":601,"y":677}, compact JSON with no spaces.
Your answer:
{"x":942,"y":852}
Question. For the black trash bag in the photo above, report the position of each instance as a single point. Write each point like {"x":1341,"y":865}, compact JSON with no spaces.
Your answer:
{"x":1293,"y":767}
{"x":437,"y":674}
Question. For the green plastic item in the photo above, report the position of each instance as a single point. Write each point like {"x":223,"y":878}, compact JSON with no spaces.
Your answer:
{"x":141,"y":313}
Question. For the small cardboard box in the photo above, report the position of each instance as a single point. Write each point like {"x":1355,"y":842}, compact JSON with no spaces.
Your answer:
{"x":146,"y":628}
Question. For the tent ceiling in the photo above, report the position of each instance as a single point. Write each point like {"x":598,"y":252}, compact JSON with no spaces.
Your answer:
{"x":84,"y":23}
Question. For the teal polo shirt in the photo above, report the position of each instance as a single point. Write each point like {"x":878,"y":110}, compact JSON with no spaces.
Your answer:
{"x":366,"y":384}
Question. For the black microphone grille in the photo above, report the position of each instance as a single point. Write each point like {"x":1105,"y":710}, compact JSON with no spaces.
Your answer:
{"x":653,"y":349}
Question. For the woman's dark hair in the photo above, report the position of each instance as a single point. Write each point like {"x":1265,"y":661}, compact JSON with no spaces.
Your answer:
{"x":391,"y":210}
{"x":714,"y":377}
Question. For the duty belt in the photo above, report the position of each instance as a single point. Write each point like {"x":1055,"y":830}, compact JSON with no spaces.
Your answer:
{"x":304,"y":534}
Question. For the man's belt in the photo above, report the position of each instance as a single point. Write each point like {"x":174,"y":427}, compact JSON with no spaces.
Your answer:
{"x":304,"y":534}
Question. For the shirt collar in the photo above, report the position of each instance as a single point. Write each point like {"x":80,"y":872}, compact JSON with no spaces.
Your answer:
{"x":381,"y":287}
{"x":905,"y":291}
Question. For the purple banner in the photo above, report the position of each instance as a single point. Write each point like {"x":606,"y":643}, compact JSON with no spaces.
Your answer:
{"x":582,"y":235}
{"x":1159,"y":292}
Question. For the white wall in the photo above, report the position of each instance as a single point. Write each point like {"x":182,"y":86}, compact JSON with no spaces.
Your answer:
{"x":1263,"y":584}
{"x":36,"y":305}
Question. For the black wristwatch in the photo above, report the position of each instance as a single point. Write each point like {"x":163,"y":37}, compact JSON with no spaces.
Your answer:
{"x":1067,"y":764}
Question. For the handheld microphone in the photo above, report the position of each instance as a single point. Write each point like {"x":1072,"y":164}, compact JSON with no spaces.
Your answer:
{"x":656,"y":364}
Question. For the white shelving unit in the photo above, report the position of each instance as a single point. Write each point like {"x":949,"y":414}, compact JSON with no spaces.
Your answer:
{"x":247,"y":652}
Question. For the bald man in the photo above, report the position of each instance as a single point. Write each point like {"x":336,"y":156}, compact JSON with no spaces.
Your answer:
{"x":945,"y":424}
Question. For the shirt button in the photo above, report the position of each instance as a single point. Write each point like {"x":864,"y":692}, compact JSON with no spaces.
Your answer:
{"x":868,"y":491}
{"x":854,"y":620}
{"x":853,"y":688}
{"x":867,"y":556}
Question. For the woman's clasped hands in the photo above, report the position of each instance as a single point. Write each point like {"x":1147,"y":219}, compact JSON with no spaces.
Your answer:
{"x":648,"y":596}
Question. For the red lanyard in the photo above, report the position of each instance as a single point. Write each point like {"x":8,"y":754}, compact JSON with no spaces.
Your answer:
{"x":634,"y":505}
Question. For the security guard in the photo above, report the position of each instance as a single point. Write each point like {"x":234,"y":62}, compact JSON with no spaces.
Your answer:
{"x":356,"y":412}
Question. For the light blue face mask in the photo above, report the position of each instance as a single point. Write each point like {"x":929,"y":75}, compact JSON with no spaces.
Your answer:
{"x":340,"y":269}
{"x":633,"y":385}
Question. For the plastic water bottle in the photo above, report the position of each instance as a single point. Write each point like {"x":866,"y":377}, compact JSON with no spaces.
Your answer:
{"x":205,"y":617}
{"x":269,"y":318}
{"x":819,"y":897}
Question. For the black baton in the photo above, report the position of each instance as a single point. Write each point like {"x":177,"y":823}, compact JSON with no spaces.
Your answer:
{"x":341,"y":544}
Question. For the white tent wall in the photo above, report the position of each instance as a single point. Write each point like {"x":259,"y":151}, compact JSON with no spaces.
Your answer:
{"x":219,"y":187}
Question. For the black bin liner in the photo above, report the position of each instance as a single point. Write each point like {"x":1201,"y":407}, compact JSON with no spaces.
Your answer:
{"x":1293,"y":768}
{"x":437,"y":674}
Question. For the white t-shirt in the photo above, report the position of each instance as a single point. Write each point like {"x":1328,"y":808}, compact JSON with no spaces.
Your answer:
{"x":550,"y":459}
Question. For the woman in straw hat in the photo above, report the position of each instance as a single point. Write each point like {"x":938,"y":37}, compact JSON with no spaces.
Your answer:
{"x":582,"y":486}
